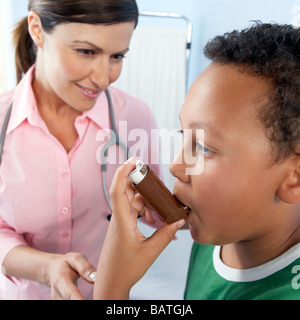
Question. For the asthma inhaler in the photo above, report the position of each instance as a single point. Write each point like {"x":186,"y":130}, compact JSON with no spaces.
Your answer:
{"x":157,"y":195}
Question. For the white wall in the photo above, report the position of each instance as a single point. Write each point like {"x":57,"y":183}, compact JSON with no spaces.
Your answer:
{"x":7,"y":71}
{"x":214,"y":17}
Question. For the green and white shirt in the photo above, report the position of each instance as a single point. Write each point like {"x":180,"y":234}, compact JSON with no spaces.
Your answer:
{"x":210,"y":279}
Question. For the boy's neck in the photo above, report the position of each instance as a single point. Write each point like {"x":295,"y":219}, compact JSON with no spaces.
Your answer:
{"x":252,"y":253}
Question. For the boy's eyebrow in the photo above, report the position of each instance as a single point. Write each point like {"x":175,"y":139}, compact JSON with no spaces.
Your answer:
{"x":96,"y":47}
{"x":207,"y":126}
{"x":210,"y":129}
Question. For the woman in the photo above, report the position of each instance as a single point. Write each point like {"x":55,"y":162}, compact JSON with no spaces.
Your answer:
{"x":53,"y":212}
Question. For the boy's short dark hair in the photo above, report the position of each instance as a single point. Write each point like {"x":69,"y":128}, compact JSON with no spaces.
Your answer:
{"x":272,"y":51}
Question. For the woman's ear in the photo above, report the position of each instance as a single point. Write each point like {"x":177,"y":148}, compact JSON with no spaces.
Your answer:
{"x":35,"y":29}
{"x":289,"y":188}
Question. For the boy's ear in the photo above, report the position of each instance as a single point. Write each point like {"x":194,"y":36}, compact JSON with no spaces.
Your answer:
{"x":289,"y":189}
{"x":35,"y":29}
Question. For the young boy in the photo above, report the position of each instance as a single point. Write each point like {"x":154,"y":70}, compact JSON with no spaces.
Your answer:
{"x":244,"y":206}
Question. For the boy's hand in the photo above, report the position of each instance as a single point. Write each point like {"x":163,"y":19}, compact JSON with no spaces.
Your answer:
{"x":127,"y":254}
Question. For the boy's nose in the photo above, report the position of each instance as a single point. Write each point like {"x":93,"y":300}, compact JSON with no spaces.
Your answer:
{"x":178,"y":167}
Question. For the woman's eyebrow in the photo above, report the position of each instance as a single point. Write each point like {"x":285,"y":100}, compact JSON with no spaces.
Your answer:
{"x":88,"y":43}
{"x":96,"y":47}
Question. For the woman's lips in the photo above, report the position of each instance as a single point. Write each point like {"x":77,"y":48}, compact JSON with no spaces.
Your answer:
{"x":89,"y":93}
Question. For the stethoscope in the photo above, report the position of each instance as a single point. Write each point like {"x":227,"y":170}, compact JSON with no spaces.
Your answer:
{"x":113,"y":141}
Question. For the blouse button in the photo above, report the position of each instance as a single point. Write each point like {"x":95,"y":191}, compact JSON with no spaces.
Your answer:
{"x":65,"y":210}
{"x":65,"y":175}
{"x":64,"y":234}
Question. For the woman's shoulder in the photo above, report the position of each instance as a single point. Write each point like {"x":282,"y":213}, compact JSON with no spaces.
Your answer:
{"x":126,"y":99}
{"x":134,"y":110}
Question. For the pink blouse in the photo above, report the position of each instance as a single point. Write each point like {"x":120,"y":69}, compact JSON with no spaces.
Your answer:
{"x":52,"y":200}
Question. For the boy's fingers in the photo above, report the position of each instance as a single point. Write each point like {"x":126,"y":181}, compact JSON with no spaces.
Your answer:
{"x":119,"y":186}
{"x":163,"y":236}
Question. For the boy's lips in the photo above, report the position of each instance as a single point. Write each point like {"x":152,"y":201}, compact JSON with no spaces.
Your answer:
{"x":189,"y":212}
{"x":182,"y":204}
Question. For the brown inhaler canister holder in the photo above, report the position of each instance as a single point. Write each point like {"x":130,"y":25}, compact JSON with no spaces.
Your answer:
{"x":160,"y":198}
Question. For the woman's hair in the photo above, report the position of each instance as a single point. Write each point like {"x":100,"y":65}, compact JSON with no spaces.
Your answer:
{"x":54,"y":12}
{"x":272,"y":51}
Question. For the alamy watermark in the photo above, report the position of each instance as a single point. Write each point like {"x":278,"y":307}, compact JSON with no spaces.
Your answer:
{"x":296,"y":279}
{"x":162,"y":143}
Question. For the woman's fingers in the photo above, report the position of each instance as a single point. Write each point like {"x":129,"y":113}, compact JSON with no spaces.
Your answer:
{"x":79,"y":263}
{"x":62,"y":273}
{"x":66,"y":290}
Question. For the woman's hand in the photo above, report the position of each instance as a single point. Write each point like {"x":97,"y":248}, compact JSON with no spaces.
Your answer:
{"x":127,"y":254}
{"x":62,"y":273}
{"x":59,"y":272}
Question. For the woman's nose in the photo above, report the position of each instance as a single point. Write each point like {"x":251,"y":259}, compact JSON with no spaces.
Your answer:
{"x":101,"y":74}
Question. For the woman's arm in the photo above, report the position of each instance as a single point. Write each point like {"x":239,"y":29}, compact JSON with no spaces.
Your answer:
{"x":59,"y":272}
{"x":127,"y":254}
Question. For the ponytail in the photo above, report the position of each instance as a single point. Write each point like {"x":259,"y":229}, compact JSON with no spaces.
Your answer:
{"x":25,"y":49}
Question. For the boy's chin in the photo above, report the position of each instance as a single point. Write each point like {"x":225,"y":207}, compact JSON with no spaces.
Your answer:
{"x":204,"y":237}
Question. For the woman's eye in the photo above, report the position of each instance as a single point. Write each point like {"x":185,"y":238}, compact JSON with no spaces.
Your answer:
{"x":118,"y":57}
{"x":86,"y":52}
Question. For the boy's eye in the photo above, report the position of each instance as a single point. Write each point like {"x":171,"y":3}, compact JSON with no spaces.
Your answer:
{"x":203,"y":149}
{"x":181,"y":132}
{"x":198,"y":146}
